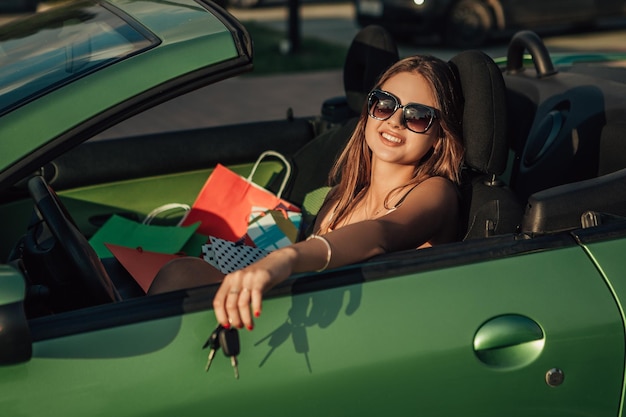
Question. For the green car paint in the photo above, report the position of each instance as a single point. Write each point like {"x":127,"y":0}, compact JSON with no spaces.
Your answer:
{"x":188,"y":42}
{"x":15,"y":338}
{"x":12,"y":285}
{"x":155,"y":191}
{"x":399,"y":345}
{"x":607,"y":256}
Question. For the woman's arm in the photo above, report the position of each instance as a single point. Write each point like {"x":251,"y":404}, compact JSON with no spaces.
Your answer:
{"x":429,"y":213}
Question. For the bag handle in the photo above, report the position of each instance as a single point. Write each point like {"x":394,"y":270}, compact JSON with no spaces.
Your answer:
{"x":284,"y":161}
{"x":164,"y":208}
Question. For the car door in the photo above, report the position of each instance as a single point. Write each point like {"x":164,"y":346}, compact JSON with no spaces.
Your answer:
{"x":485,"y":328}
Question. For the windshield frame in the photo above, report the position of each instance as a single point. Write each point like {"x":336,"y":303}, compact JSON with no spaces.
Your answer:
{"x":115,"y":35}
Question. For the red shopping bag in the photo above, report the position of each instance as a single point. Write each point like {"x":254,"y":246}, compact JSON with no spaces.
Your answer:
{"x":225,"y":202}
{"x":142,"y":265}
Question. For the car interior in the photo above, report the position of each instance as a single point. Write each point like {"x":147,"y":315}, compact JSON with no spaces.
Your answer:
{"x":568,"y":159}
{"x":543,"y":155}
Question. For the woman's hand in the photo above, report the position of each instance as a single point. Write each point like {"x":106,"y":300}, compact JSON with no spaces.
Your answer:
{"x":242,"y":291}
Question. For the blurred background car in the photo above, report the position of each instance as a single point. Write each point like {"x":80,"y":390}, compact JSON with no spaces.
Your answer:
{"x":243,"y":3}
{"x":248,"y":4}
{"x":18,"y":6}
{"x":469,"y":23}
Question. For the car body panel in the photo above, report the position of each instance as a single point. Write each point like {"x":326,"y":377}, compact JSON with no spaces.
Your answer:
{"x":12,"y":289}
{"x":606,"y":254}
{"x":205,"y":41}
{"x":299,"y":348}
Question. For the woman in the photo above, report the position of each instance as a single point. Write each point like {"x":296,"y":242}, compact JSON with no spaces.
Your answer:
{"x":394,"y":187}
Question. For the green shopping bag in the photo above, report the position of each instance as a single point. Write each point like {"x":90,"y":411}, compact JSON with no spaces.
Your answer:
{"x":155,"y":238}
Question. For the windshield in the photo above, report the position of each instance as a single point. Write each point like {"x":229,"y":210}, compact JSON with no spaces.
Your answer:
{"x":46,"y":51}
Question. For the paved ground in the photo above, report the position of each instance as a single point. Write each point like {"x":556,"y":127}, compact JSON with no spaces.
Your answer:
{"x":255,"y":98}
{"x":246,"y":99}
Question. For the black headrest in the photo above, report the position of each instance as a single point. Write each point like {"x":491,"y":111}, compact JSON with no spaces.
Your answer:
{"x":484,"y":116}
{"x":371,"y":52}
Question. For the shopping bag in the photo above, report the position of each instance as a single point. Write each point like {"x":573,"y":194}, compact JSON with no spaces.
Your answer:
{"x":273,"y":229}
{"x":141,"y":264}
{"x":163,"y":239}
{"x":225,"y":202}
{"x":165,"y":208}
{"x":230,"y":256}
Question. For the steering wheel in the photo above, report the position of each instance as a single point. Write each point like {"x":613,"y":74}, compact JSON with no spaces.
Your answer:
{"x":91,"y":272}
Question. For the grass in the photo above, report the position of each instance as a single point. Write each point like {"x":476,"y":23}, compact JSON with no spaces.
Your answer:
{"x":313,"y":54}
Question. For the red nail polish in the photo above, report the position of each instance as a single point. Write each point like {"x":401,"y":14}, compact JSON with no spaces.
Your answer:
{"x":257,"y":314}
{"x":250,"y":327}
{"x":226,"y":326}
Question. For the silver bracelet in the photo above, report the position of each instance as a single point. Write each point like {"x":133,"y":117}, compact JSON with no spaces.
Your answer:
{"x":329,"y":252}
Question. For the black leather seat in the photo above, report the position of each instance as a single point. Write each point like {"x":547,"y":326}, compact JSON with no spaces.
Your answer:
{"x":489,"y":207}
{"x":586,"y":203}
{"x":372,"y":51}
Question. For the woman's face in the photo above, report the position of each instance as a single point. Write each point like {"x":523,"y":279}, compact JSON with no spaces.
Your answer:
{"x":390,"y":140}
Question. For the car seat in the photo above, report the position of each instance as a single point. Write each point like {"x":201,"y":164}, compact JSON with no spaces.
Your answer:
{"x":488,"y":206}
{"x":576,"y":126}
{"x":371,"y":52}
{"x":579,"y":204}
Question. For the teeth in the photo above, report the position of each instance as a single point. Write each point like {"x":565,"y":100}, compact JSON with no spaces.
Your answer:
{"x":391,"y":138}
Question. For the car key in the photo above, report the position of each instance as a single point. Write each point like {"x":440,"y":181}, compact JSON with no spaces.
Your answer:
{"x":214,"y":344}
{"x":229,"y":341}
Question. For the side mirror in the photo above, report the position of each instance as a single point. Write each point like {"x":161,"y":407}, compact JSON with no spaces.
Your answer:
{"x":15,"y":339}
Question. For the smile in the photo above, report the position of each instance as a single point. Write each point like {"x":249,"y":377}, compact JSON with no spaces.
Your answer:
{"x":391,"y":138}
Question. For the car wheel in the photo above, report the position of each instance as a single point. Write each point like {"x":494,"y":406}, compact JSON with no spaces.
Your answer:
{"x":469,"y":24}
{"x":244,"y":4}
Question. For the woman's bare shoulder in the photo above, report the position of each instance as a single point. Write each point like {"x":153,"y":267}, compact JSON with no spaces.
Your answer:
{"x":430,"y":212}
{"x":439,"y":189}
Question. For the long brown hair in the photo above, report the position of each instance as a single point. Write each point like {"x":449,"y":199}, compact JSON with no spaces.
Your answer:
{"x":352,"y":171}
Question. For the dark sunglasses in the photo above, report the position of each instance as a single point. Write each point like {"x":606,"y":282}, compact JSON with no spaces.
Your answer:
{"x":418,"y":118}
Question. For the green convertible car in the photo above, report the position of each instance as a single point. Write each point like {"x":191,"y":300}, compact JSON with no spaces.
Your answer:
{"x":523,"y":316}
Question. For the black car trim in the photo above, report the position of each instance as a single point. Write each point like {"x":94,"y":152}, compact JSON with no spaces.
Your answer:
{"x":382,"y":267}
{"x":145,"y":32}
{"x":243,"y":41}
{"x":196,"y":149}
{"x":613,"y":228}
